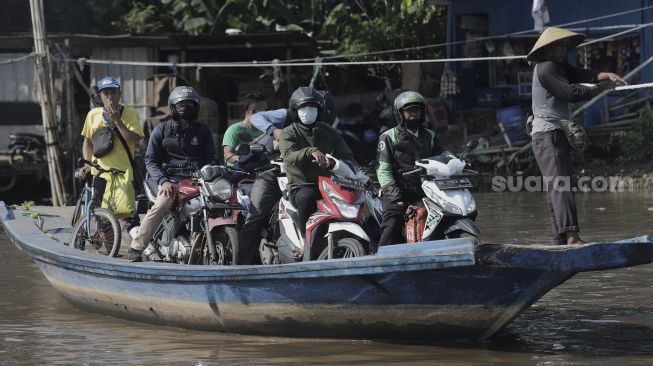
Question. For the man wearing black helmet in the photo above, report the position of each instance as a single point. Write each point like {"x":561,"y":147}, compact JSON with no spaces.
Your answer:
{"x":193,"y":138}
{"x":265,"y":191}
{"x":304,"y":146}
{"x":398,"y":149}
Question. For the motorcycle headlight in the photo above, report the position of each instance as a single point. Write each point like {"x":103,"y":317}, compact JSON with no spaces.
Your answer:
{"x":471,"y":207}
{"x":348,"y":210}
{"x":451,"y":208}
{"x":218,"y":188}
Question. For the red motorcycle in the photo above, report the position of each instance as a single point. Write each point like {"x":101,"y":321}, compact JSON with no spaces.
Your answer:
{"x":333,"y":231}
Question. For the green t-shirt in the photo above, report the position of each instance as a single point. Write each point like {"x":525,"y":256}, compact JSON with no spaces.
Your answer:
{"x":235,"y":135}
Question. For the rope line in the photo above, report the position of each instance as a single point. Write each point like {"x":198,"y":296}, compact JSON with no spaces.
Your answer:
{"x":19,"y":59}
{"x":82,"y":61}
{"x":625,"y":87}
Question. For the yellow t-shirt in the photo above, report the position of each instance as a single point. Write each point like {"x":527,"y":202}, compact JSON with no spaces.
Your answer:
{"x":119,"y":194}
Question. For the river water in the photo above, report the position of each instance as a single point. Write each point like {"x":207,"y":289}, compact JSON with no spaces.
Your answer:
{"x":602,"y":318}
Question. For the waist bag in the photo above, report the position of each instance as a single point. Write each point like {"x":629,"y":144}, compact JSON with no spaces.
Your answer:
{"x":575,"y":134}
{"x":102,"y":142}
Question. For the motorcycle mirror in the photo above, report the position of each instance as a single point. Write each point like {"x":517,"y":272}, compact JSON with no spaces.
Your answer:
{"x":172,"y":145}
{"x":471,"y":145}
{"x":242,"y":149}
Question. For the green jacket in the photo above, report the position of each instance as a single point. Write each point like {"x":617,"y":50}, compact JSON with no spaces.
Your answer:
{"x":297,"y":145}
{"x":398,"y":150}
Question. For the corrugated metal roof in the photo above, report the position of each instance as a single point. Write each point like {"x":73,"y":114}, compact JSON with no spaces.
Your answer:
{"x":17,"y":79}
{"x":133,"y":80}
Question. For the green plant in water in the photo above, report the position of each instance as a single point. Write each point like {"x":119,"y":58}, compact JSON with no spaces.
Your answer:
{"x":637,"y":144}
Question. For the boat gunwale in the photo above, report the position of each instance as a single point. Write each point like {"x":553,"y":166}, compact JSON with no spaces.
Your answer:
{"x":65,"y":257}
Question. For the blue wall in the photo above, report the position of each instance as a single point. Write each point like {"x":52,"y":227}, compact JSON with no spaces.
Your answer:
{"x":510,"y":16}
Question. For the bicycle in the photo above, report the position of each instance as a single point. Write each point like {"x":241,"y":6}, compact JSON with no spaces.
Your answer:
{"x":94,"y":229}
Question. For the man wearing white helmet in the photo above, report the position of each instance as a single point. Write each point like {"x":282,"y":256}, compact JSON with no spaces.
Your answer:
{"x":196,"y":142}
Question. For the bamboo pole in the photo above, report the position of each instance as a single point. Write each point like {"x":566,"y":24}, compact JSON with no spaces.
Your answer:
{"x":47,"y":105}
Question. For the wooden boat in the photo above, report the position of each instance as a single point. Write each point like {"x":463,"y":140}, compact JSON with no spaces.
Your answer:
{"x":440,"y":290}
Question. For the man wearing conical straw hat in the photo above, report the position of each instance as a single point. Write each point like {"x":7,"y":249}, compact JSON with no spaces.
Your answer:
{"x":556,"y":84}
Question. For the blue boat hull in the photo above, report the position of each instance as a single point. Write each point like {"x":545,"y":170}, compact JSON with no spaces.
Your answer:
{"x":430,"y":291}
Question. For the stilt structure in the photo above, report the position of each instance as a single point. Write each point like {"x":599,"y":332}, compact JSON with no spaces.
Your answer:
{"x":47,"y":104}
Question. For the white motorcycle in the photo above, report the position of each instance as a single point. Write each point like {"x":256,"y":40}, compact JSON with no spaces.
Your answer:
{"x":448,"y":209}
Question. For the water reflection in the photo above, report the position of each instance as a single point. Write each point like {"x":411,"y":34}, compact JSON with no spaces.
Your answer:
{"x":603,"y":317}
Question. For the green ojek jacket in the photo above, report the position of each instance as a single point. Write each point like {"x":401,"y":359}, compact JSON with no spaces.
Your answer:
{"x":397,"y":151}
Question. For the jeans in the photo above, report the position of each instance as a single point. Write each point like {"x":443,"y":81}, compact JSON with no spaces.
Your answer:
{"x":265,"y":194}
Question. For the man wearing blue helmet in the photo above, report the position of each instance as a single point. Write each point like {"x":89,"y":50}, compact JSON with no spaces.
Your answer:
{"x":120,"y":120}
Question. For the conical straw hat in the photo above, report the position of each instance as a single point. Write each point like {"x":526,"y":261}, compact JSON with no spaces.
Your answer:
{"x":549,"y":36}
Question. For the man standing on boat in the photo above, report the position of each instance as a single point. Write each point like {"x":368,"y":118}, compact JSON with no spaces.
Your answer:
{"x":194,"y":140}
{"x":398,"y":149}
{"x":556,"y":84}
{"x":112,"y":119}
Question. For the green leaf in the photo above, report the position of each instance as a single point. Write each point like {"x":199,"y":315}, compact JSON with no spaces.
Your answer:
{"x":193,"y":24}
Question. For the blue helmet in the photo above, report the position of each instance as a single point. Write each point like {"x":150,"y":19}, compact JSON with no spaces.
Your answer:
{"x":108,"y":82}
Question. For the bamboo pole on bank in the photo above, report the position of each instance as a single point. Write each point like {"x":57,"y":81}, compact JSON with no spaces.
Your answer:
{"x":47,"y":105}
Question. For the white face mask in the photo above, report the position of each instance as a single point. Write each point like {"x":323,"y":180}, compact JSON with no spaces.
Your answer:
{"x":307,"y":115}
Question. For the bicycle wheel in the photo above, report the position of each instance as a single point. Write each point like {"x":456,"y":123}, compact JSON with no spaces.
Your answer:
{"x":104,"y":235}
{"x":77,"y":213}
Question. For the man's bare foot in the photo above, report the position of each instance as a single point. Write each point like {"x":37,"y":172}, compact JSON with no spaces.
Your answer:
{"x":573,"y":238}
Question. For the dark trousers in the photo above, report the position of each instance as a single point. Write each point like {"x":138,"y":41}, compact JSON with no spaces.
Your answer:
{"x":553,"y":155}
{"x":392,"y":222}
{"x":265,"y":194}
{"x":394,"y":201}
{"x":305,"y":201}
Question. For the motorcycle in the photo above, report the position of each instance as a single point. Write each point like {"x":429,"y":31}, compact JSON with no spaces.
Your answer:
{"x":202,"y":226}
{"x":333,"y":231}
{"x":448,"y":209}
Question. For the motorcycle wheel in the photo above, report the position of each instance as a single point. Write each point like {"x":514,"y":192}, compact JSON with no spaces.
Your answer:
{"x":344,"y":248}
{"x":461,"y":234}
{"x":104,"y":238}
{"x":225,"y":240}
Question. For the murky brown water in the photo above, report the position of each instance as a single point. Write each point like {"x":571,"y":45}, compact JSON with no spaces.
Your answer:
{"x":601,"y":318}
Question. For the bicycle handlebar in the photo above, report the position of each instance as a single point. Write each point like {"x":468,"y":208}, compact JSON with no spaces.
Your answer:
{"x":97,"y":166}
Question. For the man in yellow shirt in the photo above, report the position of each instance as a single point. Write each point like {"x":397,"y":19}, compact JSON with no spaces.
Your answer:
{"x":114,"y":192}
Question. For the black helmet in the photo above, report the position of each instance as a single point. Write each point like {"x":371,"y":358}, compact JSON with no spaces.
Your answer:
{"x":329,"y":110}
{"x":180,"y":94}
{"x":301,"y":97}
{"x":406,"y":99}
